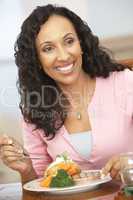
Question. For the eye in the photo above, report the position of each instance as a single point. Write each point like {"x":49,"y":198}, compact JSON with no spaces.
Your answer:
{"x":70,"y":41}
{"x":48,"y":49}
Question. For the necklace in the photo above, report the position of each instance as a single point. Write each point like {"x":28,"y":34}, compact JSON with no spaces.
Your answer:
{"x":78,"y":115}
{"x":79,"y":107}
{"x":89,"y":95}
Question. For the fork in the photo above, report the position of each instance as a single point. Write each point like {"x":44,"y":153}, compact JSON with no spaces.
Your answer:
{"x":25,"y":155}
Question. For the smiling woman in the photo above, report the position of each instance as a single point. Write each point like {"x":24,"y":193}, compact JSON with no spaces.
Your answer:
{"x":68,"y":85}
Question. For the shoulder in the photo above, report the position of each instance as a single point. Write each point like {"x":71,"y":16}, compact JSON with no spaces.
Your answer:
{"x":119,"y":85}
{"x":116,"y":80}
{"x":126,"y":75}
{"x":129,"y":77}
{"x":119,"y":76}
{"x":123,"y":90}
{"x":122,"y":79}
{"x":29,"y":128}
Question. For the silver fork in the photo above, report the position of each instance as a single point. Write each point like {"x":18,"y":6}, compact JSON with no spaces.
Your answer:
{"x":25,"y":155}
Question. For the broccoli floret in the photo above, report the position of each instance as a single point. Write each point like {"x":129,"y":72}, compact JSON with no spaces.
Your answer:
{"x":62,"y":179}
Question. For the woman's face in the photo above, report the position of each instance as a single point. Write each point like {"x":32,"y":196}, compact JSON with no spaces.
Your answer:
{"x":59,"y":50}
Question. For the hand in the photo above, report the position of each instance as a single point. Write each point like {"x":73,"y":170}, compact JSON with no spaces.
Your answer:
{"x":113,"y":167}
{"x":12,"y":154}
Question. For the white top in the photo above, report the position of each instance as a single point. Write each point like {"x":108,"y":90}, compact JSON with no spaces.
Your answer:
{"x":82,"y":143}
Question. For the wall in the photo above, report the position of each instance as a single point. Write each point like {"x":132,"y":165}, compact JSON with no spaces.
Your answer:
{"x":10,"y":120}
{"x":75,"y":5}
{"x":111,"y":18}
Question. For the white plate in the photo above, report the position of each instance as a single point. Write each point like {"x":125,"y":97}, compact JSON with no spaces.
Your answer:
{"x":80,"y":187}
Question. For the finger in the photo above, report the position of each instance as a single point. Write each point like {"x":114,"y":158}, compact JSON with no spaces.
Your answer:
{"x":12,"y":158}
{"x":109,"y":165}
{"x":5,"y":140}
{"x":12,"y":161}
{"x":11,"y":149}
{"x":12,"y":145}
{"x":115,"y":169}
{"x":118,"y":177}
{"x":17,"y":146}
{"x":7,"y":154}
{"x":12,"y":141}
{"x":17,"y":165}
{"x":15,"y":159}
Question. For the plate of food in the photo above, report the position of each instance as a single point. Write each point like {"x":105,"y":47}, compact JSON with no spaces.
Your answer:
{"x":64,"y":176}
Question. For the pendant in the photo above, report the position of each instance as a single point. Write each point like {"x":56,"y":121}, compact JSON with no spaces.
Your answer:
{"x":78,"y":114}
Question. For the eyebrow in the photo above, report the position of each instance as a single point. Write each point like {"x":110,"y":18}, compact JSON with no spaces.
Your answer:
{"x":49,"y":42}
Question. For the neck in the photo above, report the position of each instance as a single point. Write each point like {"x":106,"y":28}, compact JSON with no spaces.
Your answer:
{"x":80,"y":92}
{"x":77,"y":86}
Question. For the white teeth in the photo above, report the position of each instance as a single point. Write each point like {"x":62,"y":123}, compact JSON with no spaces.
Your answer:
{"x":66,"y":68}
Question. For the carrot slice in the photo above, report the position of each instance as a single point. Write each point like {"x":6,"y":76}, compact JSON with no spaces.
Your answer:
{"x":46,"y":182}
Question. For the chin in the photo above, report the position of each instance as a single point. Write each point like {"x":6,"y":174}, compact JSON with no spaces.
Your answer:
{"x":69,"y":80}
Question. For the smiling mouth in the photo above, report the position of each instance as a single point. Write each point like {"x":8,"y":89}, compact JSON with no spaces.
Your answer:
{"x":65,"y":69}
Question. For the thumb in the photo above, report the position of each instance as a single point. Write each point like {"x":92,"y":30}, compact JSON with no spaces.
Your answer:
{"x":4,"y":140}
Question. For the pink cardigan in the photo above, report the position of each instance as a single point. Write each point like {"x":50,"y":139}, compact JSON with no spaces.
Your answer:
{"x":111,"y":117}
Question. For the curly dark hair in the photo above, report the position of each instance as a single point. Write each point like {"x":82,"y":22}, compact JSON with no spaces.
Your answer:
{"x":96,"y":62}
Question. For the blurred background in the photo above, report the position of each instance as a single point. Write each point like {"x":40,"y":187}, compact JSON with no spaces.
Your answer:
{"x":111,"y":20}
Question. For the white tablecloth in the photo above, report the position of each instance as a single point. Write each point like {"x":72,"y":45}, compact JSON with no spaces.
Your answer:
{"x":11,"y":191}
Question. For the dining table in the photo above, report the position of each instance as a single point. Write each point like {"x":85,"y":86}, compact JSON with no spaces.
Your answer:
{"x":107,"y":191}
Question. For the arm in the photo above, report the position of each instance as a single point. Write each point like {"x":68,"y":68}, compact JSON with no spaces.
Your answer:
{"x":114,"y":164}
{"x":129,"y":92}
{"x":36,"y":148}
{"x":13,"y":154}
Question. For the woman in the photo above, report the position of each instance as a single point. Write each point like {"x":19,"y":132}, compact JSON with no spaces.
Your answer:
{"x":74,"y":97}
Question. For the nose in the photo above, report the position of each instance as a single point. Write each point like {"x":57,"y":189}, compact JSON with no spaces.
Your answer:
{"x":63,"y":54}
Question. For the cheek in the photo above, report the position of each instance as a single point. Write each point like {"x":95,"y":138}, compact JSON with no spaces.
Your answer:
{"x":47,"y":61}
{"x":79,"y":58}
{"x":79,"y":62}
{"x":76,"y":51}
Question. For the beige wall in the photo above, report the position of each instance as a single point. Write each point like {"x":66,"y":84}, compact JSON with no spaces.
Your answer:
{"x":121,"y":47}
{"x":10,"y":120}
{"x":12,"y":127}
